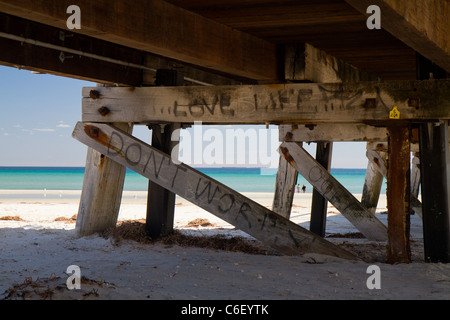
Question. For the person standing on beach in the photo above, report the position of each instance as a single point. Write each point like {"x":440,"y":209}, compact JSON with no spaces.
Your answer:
{"x":304,"y":188}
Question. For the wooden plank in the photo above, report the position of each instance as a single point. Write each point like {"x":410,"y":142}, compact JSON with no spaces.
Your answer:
{"x":102,"y":192}
{"x":398,"y":195}
{"x":192,"y":185}
{"x":332,"y":132}
{"x":287,"y":103}
{"x":319,"y":204}
{"x":285,"y":183}
{"x":161,"y":28}
{"x":334,"y":192}
{"x":422,"y":25}
{"x":435,"y":175}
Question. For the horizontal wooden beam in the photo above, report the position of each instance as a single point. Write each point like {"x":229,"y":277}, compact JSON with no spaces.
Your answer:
{"x":161,"y":28}
{"x":361,"y":102}
{"x":207,"y":193}
{"x":334,"y":192}
{"x":332,"y":132}
{"x":421,"y":24}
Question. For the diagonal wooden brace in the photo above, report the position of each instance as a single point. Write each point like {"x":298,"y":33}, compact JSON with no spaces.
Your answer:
{"x":334,"y":192}
{"x":209,"y":194}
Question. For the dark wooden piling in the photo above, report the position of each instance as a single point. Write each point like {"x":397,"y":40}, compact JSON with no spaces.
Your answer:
{"x":398,"y":195}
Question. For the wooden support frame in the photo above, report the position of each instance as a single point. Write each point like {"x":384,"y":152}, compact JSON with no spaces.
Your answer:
{"x":365,"y":102}
{"x":227,"y":204}
{"x":334,"y":192}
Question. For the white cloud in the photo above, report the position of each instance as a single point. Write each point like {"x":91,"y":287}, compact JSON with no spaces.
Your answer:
{"x":62,"y":125}
{"x":6,"y":134}
{"x":44,"y":130}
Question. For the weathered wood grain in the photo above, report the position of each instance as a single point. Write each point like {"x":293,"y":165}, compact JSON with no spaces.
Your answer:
{"x":192,"y":185}
{"x":334,"y":192}
{"x":398,"y":195}
{"x":161,"y":28}
{"x":101,"y":193}
{"x":373,"y":180}
{"x":285,"y":183}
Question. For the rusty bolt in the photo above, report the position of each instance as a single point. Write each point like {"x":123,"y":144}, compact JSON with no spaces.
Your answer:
{"x":414,"y":102}
{"x":93,"y":132}
{"x":288,"y":136}
{"x":94,"y":94}
{"x":103,"y":111}
{"x":370,"y":103}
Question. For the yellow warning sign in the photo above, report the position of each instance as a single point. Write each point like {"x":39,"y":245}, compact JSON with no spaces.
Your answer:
{"x":394,"y":114}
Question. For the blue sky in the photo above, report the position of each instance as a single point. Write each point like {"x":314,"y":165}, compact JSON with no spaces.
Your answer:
{"x":38,"y":113}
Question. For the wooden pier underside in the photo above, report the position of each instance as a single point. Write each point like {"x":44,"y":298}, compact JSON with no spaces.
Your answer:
{"x":310,"y":66}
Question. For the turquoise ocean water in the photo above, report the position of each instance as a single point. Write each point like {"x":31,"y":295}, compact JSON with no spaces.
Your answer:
{"x":240,"y":179}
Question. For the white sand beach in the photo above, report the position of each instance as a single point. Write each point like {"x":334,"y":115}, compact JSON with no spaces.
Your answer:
{"x":37,"y":246}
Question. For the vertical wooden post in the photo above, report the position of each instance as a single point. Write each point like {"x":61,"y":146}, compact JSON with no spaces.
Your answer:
{"x":372,"y":183}
{"x":415,"y":175}
{"x":102,"y":191}
{"x":435,"y":177}
{"x":398,"y":195}
{"x":160,"y":201}
{"x":319,"y":203}
{"x":286,"y":181}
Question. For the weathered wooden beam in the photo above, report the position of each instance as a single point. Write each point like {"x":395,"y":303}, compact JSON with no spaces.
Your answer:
{"x":334,"y":192}
{"x":422,"y":25}
{"x":398,"y":195}
{"x":161,"y":28}
{"x":101,"y":193}
{"x":289,"y":103}
{"x":211,"y":195}
{"x":332,"y":132}
{"x":435,"y":179}
{"x":319,"y":204}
